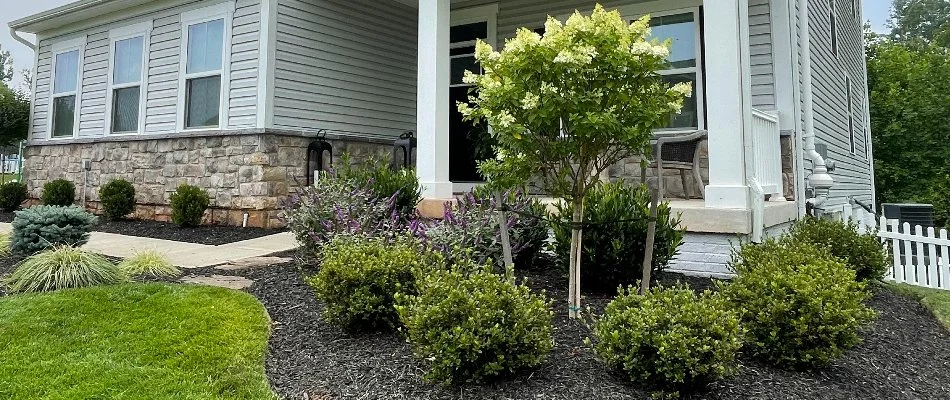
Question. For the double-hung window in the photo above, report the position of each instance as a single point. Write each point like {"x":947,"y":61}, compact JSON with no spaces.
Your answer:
{"x":126,"y":79}
{"x":682,"y":29}
{"x":204,"y":64}
{"x":66,"y":88}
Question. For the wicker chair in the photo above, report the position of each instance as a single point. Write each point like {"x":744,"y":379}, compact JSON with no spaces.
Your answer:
{"x":677,"y":150}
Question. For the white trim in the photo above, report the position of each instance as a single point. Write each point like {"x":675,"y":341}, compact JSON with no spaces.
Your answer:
{"x":834,"y":29}
{"x":849,"y":103}
{"x":267,"y":60}
{"x":144,"y":30}
{"x":223,"y":11}
{"x":65,"y":46}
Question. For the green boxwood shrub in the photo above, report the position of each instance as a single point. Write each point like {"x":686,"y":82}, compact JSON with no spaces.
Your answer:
{"x":670,"y":339}
{"x":59,"y":192}
{"x":472,"y":326}
{"x":12,"y":195}
{"x":117,"y":198}
{"x":383,"y":182}
{"x":359,"y":278}
{"x":615,"y":242}
{"x":863,"y":253}
{"x":62,"y":267}
{"x":40,"y":227}
{"x":188,"y":205}
{"x":800,"y":306}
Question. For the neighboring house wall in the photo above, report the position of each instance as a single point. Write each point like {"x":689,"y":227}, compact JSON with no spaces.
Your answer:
{"x":163,"y":61}
{"x":347,"y":66}
{"x":829,"y":71}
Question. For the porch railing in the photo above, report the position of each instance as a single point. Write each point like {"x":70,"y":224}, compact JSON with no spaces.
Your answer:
{"x":767,"y":152}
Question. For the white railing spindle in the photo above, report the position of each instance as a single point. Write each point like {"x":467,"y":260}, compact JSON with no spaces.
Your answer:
{"x":767,"y":149}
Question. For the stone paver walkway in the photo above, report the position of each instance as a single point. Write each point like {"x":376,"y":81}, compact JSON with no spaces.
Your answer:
{"x":183,"y":254}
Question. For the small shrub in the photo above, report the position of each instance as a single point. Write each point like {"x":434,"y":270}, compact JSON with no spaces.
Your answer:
{"x":117,"y":198}
{"x":863,"y":253}
{"x":188,"y":205}
{"x":800,"y":306}
{"x":62,"y":267}
{"x":474,"y":326}
{"x":148,"y":263}
{"x":12,"y":194}
{"x":59,"y":192}
{"x":359,"y":278}
{"x":615,"y":239}
{"x":5,"y":245}
{"x":470,"y":229}
{"x":376,"y":176}
{"x":40,"y":227}
{"x":315,"y":214}
{"x":670,"y":338}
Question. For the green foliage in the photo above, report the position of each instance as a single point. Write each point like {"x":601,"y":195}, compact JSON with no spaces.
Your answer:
{"x":527,"y":228}
{"x":12,"y":195}
{"x":148,"y":263}
{"x":59,"y":192}
{"x":188,"y":205}
{"x":385,"y":183}
{"x":14,"y":115}
{"x":473,"y":326}
{"x":117,"y":198}
{"x":800,"y":306}
{"x":135,"y":342}
{"x":617,"y":215}
{"x":359,"y":278}
{"x":863,"y":253}
{"x":40,"y":227}
{"x":923,"y":20}
{"x":670,"y":338}
{"x":62,"y":267}
{"x":5,"y":241}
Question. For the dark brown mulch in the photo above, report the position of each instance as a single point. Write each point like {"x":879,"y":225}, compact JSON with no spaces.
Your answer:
{"x":206,"y":234}
{"x":905,"y":355}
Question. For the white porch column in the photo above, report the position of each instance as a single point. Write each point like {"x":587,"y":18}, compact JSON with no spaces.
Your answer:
{"x":729,"y":107}
{"x":432,"y":99}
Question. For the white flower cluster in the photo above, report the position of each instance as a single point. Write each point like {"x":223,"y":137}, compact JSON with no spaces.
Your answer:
{"x":647,"y":49}
{"x":684,"y":89}
{"x":530,"y":101}
{"x":582,"y":55}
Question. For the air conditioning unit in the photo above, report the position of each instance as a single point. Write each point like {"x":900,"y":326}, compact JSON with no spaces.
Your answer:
{"x":913,"y":214}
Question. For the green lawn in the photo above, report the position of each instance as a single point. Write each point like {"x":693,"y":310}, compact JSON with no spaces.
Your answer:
{"x":134,"y":341}
{"x":936,"y":300}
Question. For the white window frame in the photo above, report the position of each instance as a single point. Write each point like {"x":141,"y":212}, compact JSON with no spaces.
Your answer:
{"x":849,"y":101}
{"x":224,"y":11}
{"x":66,"y":46}
{"x":834,"y":28}
{"x":144,"y":30}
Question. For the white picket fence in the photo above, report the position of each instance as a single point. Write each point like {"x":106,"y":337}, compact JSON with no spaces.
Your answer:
{"x":921,"y":256}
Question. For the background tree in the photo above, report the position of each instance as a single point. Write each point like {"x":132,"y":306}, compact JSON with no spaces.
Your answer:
{"x":927,"y":20}
{"x":6,"y":67}
{"x":14,"y":105}
{"x":565,"y":106}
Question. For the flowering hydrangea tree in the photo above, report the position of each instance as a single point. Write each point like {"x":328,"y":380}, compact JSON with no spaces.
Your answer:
{"x":566,"y":105}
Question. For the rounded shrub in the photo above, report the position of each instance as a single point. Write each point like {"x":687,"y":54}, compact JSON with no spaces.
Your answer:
{"x":117,"y":198}
{"x":863,"y":253}
{"x":62,"y":267}
{"x":472,"y":326}
{"x":12,"y":195}
{"x":359,"y":278}
{"x":801,"y":307}
{"x":188,"y":205}
{"x":59,"y":192}
{"x":617,"y":216}
{"x":670,"y":339}
{"x":148,"y":263}
{"x":40,"y":227}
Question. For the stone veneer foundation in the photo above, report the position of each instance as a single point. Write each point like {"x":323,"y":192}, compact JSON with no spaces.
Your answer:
{"x":243,"y":172}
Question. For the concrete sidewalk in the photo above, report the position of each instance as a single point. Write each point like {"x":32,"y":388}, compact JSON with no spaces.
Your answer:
{"x":184,"y":254}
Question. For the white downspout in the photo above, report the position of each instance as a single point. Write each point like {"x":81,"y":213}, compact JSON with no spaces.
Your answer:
{"x":819,"y":179}
{"x":21,"y":39}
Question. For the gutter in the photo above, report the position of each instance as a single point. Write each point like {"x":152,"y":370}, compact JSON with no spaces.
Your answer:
{"x":16,"y":36}
{"x":56,"y":12}
{"x":819,"y":179}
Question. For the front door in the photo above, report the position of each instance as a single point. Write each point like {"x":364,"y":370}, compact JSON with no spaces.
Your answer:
{"x":468,"y":142}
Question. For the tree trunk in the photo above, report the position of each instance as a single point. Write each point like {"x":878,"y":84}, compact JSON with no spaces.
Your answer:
{"x":574,"y":299}
{"x":648,"y":249}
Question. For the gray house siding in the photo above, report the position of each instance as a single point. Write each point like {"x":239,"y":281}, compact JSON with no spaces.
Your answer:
{"x":164,"y":54}
{"x":852,"y":175}
{"x":760,"y":50}
{"x":348,"y":66}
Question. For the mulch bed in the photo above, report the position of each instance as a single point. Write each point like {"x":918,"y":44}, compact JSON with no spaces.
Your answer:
{"x":206,"y":234}
{"x":905,"y":355}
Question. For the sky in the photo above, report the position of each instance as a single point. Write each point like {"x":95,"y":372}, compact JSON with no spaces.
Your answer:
{"x":876,"y":11}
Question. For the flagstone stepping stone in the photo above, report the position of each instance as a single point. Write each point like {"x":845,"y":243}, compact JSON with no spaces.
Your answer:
{"x":252,"y":262}
{"x":225,"y":281}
